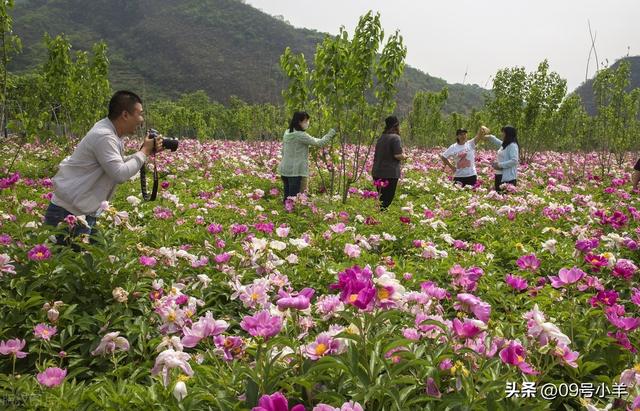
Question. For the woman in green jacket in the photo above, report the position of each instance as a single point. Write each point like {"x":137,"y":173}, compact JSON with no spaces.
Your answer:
{"x":295,"y":153}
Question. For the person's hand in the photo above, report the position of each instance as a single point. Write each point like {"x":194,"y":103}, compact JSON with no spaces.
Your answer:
{"x":151,"y":145}
{"x":496,"y":166}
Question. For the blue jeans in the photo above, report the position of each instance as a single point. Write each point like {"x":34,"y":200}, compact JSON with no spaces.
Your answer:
{"x":56,"y":214}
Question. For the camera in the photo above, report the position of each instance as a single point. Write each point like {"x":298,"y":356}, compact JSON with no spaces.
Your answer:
{"x":167,"y":143}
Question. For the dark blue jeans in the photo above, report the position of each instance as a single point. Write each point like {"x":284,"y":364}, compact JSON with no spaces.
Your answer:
{"x":56,"y":214}
{"x":292,"y":186}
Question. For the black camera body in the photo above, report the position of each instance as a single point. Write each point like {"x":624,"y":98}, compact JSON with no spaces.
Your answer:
{"x":167,"y":143}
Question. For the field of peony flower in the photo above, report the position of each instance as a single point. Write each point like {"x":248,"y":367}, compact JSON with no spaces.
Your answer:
{"x":218,"y":297}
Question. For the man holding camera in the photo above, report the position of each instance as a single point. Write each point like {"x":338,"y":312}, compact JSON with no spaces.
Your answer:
{"x":90,"y":175}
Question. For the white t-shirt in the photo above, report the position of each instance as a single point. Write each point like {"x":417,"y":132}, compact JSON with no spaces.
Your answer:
{"x":464,"y":158}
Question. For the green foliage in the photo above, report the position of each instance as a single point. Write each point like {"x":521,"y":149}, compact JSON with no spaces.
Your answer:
{"x":193,"y":115}
{"x":65,"y":96}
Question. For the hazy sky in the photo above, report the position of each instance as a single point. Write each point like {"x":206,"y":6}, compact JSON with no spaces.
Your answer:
{"x":447,"y":38}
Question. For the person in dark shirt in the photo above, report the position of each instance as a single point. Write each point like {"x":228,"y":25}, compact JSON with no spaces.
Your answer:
{"x":386,"y":161}
{"x":635,"y":178}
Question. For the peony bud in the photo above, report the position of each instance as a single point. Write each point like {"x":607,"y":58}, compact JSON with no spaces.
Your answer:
{"x":52,"y":315}
{"x":180,"y":390}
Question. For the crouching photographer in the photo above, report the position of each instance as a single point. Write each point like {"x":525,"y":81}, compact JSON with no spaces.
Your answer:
{"x":90,"y":175}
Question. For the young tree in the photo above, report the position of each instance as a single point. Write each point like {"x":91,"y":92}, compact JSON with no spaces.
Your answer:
{"x":528,"y":102}
{"x":616,"y":121}
{"x":351,"y":87}
{"x":10,"y":44}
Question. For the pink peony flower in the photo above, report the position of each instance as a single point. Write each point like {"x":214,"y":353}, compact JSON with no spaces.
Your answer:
{"x":169,"y":359}
{"x":13,"y":347}
{"x":44,"y":332}
{"x":52,"y":376}
{"x":324,"y":344}
{"x":471,"y":303}
{"x":352,"y":250}
{"x":262,"y":324}
{"x":296,"y":301}
{"x":604,"y":297}
{"x":205,"y":327}
{"x":587,"y":245}
{"x":229,"y":347}
{"x":110,"y":343}
{"x":528,"y":262}
{"x":566,"y":277}
{"x":543,"y":331}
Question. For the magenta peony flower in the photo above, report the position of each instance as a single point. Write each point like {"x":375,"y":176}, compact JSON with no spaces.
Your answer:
{"x":215,"y":228}
{"x":262,"y":324}
{"x":39,"y":253}
{"x":275,"y":402}
{"x":604,"y":297}
{"x":13,"y":347}
{"x":469,"y":328}
{"x":44,"y":332}
{"x":528,"y":262}
{"x":624,"y":269}
{"x":513,"y":354}
{"x":596,"y":261}
{"x":52,"y":376}
{"x":147,"y":261}
{"x":515,"y":282}
{"x":356,"y":286}
{"x":587,"y":245}
{"x":567,"y":277}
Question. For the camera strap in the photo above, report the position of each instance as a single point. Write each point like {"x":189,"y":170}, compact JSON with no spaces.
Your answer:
{"x":143,"y":182}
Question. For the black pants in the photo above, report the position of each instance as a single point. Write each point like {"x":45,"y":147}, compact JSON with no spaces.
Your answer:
{"x":466,"y":181}
{"x":292,"y":186}
{"x":56,"y":214}
{"x":386,"y":193}
{"x":498,"y":182}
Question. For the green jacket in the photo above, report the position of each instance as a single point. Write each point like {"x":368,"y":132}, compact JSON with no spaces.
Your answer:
{"x":295,"y":152}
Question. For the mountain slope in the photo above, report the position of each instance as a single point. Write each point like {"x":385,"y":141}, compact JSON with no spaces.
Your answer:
{"x":585,"y":90}
{"x":163,"y":48}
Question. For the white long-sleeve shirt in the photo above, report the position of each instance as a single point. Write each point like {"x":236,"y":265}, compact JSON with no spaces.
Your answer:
{"x":89,"y":176}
